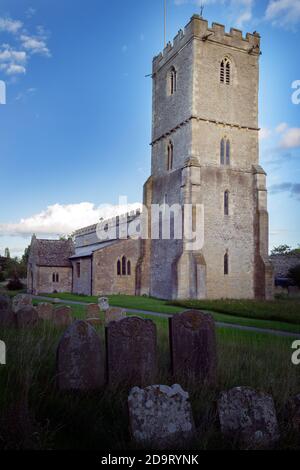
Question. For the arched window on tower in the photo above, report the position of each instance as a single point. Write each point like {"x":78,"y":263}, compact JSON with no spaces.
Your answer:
{"x":172,"y":81}
{"x":226,"y":203}
{"x":225,"y":71}
{"x":225,"y":151}
{"x":119,"y":267}
{"x":228,"y":152}
{"x":226,"y":264}
{"x":124,"y":266}
{"x":170,"y":156}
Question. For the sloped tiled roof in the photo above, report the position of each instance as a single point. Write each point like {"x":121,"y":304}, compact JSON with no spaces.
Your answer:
{"x":54,"y":253}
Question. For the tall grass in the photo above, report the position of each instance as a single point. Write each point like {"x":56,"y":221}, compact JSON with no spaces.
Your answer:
{"x":48,"y":419}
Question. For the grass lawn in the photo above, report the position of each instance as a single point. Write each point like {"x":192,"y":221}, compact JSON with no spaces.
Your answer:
{"x":99,"y":421}
{"x":282,"y":310}
{"x":258,"y":320}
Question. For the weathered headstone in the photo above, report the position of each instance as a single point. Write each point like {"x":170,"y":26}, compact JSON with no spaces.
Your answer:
{"x":80,"y":359}
{"x":92,"y":311}
{"x":45,"y":311}
{"x":62,"y":316}
{"x":131,"y":351}
{"x":20,"y":301}
{"x":26,"y":317}
{"x":7,"y":316}
{"x":248,"y":418}
{"x":161,"y":417}
{"x":94,"y":321}
{"x":103,"y":303}
{"x":193,"y":346}
{"x":293,"y":413}
{"x":114,"y":314}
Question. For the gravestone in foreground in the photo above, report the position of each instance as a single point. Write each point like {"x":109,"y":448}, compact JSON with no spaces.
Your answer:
{"x":193,"y":346}
{"x":7,"y":316}
{"x":62,"y":316}
{"x":131,"y":351}
{"x":248,"y":418}
{"x":20,"y":301}
{"x":80,"y":359}
{"x":161,"y":417}
{"x":26,"y":317}
{"x":92,"y":311}
{"x":45,"y":311}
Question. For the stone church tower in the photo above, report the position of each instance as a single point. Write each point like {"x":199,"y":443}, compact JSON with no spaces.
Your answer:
{"x":205,"y":150}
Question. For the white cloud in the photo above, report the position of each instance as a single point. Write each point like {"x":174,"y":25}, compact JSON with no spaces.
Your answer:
{"x":61,"y":219}
{"x":281,"y":127}
{"x":12,"y":61}
{"x":284,"y":13}
{"x":35,"y":45}
{"x":291,"y":138}
{"x":10,"y":26}
{"x":239,"y":11}
{"x":265,"y":133}
{"x":14,"y":69}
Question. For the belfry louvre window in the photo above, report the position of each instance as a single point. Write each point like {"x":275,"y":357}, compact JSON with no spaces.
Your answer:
{"x":225,"y":71}
{"x":170,"y":156}
{"x":173,"y":81}
{"x":225,"y":150}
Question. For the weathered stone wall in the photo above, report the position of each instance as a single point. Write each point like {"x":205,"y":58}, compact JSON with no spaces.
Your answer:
{"x":45,"y":284}
{"x":83,"y":284}
{"x":105,"y":278}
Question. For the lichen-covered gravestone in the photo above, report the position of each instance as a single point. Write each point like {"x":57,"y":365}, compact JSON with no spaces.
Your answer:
{"x":20,"y":301}
{"x":103,"y":304}
{"x":7,"y":316}
{"x":45,"y":311}
{"x":62,"y":316}
{"x":161,"y":417}
{"x":193,"y":346}
{"x":114,"y":314}
{"x":293,"y":413}
{"x":131,"y":351}
{"x":92,"y":311}
{"x":26,"y":317}
{"x":80,"y":359}
{"x":248,"y":418}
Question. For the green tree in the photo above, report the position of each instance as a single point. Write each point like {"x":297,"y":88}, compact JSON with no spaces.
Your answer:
{"x":294,"y":274}
{"x":281,"y":250}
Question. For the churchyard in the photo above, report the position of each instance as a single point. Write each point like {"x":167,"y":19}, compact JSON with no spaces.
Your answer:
{"x":105,"y":403}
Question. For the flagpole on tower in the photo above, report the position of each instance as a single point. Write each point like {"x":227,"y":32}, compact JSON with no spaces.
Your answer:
{"x":165,"y":23}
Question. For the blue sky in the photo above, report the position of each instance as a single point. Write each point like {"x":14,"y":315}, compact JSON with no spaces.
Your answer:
{"x":76,"y":128}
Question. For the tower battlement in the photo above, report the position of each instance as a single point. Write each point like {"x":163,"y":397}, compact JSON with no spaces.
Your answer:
{"x":198,"y":28}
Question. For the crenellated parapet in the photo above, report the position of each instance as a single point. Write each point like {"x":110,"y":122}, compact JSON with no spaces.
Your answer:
{"x":198,"y":28}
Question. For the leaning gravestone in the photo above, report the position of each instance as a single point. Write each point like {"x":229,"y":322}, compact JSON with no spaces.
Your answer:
{"x":20,"y":301}
{"x":193,"y":346}
{"x":248,"y":417}
{"x":114,"y":314}
{"x":62,"y":316}
{"x":80,"y":359}
{"x":7,"y":316}
{"x":26,"y":317}
{"x":45,"y":311}
{"x":103,"y":303}
{"x":161,"y":417}
{"x":92,"y":311}
{"x":131,"y":351}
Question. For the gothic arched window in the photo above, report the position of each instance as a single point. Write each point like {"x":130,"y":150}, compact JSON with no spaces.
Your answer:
{"x":226,"y":264}
{"x":128,"y":268}
{"x":225,"y":71}
{"x":222,"y":152}
{"x":226,"y":203}
{"x":228,"y":152}
{"x":172,"y":81}
{"x":170,"y":156}
{"x":124,"y":266}
{"x":119,"y":268}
